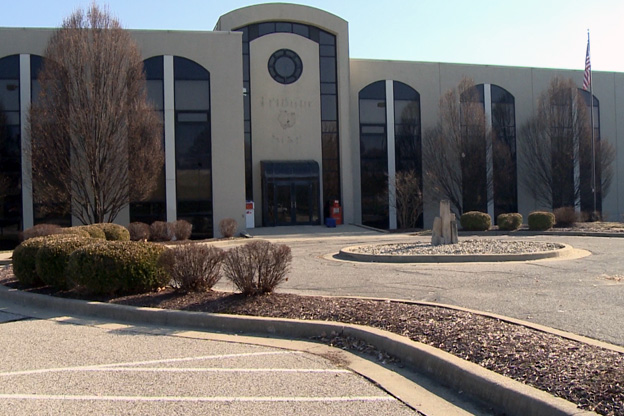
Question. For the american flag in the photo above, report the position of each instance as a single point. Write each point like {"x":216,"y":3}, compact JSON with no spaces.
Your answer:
{"x":587,"y":76}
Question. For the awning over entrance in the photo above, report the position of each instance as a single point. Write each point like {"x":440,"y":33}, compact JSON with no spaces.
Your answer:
{"x":275,"y":170}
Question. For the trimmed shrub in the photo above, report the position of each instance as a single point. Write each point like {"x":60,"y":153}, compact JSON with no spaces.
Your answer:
{"x":93,"y":230}
{"x":228,"y":227}
{"x":475,"y":221}
{"x":77,"y":231}
{"x":509,"y":222}
{"x":52,"y":258}
{"x":182,"y":229}
{"x":193,"y":267}
{"x":40,"y":230}
{"x":117,"y":267}
{"x":541,"y":220}
{"x":24,"y":258}
{"x":161,"y":231}
{"x":114,"y":232}
{"x":565,"y":216}
{"x":139,"y":231}
{"x":257,"y":267}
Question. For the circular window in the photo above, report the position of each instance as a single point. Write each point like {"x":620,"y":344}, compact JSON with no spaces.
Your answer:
{"x":285,"y":66}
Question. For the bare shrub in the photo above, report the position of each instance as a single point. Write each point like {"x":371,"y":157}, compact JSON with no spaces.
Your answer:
{"x":565,"y":216}
{"x":239,"y":268}
{"x":228,"y":227}
{"x":257,"y":267}
{"x":182,"y":229}
{"x":139,"y":231}
{"x":273,"y":262}
{"x":193,"y":267}
{"x":41,"y":230}
{"x":161,"y":231}
{"x":407,"y":198}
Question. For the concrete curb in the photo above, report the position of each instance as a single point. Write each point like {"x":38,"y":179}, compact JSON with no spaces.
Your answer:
{"x":509,"y":396}
{"x":350,"y":253}
{"x":527,"y":233}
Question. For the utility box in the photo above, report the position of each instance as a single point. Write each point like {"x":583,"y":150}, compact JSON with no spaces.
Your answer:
{"x":249,"y":215}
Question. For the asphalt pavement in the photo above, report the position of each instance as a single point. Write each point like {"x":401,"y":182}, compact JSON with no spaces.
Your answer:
{"x":583,"y":295}
{"x":64,"y":365}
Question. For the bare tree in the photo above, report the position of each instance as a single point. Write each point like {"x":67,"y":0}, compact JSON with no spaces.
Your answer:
{"x":96,"y":141}
{"x":455,"y":150}
{"x":556,"y":143}
{"x":408,"y":198}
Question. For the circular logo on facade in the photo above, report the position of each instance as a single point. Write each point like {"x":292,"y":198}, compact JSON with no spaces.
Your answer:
{"x":285,"y":66}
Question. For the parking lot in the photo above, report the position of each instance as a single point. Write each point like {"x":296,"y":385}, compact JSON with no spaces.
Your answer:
{"x":58,"y":368}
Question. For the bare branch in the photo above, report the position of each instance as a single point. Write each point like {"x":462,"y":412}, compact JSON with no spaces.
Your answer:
{"x":456,"y":148}
{"x":556,"y":143}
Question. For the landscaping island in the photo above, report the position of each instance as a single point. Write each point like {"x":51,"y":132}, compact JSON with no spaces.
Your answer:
{"x":476,"y":250}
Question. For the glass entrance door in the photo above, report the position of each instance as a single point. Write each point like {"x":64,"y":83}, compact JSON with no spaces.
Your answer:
{"x":292,"y":203}
{"x":306,"y":203}
{"x":290,"y":193}
{"x":285,"y":204}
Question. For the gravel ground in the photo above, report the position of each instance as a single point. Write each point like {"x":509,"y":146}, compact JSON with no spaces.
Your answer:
{"x":480,"y":246}
{"x":589,"y":376}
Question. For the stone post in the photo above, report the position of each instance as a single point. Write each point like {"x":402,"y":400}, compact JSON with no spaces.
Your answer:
{"x":444,"y":229}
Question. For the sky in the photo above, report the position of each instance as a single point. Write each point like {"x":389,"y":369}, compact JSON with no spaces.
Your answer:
{"x":527,"y":33}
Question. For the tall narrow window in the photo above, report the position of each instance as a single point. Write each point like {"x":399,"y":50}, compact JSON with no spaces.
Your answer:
{"x":408,"y":155}
{"x":489,"y":174}
{"x":10,"y":146}
{"x":193,"y":145}
{"x":586,"y":154}
{"x":504,"y":152}
{"x":52,"y":211}
{"x":154,"y":207}
{"x":473,"y":151}
{"x":374,"y":155}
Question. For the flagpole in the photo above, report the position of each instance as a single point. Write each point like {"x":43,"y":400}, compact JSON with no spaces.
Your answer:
{"x":593,"y":143}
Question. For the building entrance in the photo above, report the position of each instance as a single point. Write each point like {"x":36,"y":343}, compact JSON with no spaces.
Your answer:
{"x":290,"y":193}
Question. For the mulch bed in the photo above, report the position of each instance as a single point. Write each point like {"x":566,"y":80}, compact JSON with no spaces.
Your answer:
{"x":589,"y":376}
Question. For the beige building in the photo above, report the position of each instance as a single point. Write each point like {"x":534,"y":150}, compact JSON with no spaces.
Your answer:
{"x":270,"y":108}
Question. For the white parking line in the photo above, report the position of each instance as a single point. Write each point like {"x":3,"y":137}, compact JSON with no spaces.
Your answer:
{"x":165,"y":361}
{"x":194,"y":399}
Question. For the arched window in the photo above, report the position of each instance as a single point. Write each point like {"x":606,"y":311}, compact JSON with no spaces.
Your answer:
{"x":193,"y":147}
{"x":390,"y":147}
{"x":407,"y":129}
{"x":154,"y":207}
{"x":329,"y":99}
{"x":10,"y":145}
{"x":489,"y":174}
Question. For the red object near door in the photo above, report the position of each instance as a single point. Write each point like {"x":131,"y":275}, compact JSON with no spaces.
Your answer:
{"x":335,"y":212}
